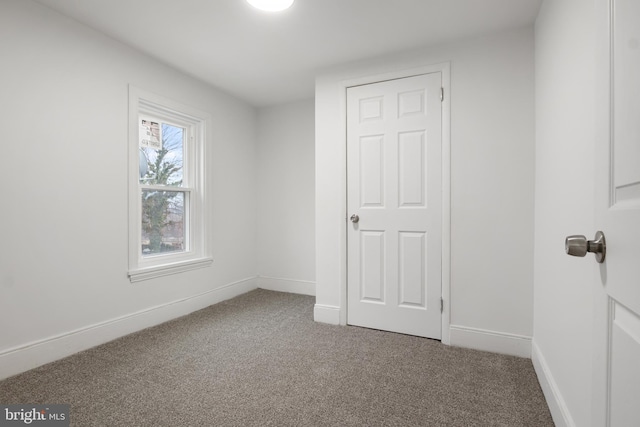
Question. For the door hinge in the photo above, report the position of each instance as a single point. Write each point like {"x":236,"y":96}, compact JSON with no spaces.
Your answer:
{"x":441,"y":94}
{"x":441,"y":305}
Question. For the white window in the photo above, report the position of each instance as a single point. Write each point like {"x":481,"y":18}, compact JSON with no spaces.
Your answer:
{"x":167,"y":203}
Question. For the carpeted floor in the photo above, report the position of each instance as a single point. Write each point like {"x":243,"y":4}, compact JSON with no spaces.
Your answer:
{"x":260,"y":360}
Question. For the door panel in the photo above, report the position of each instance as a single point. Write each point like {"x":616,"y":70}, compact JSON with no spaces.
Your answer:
{"x":625,"y":367}
{"x":412,"y":269}
{"x":394,"y":156}
{"x":626,"y":101}
{"x":372,"y":171}
{"x":412,"y":169}
{"x":372,"y":264}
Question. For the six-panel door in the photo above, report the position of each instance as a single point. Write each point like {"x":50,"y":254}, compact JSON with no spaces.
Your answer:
{"x":394,"y":178}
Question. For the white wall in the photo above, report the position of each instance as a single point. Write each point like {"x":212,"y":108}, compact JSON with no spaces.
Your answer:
{"x":286,"y":216}
{"x":564,"y":205}
{"x":63,"y":257}
{"x":492,"y":181}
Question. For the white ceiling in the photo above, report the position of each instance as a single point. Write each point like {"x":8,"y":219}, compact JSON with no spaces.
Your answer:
{"x":269,"y":59}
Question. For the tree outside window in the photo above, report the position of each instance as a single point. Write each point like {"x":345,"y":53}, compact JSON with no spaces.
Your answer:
{"x":163,"y":211}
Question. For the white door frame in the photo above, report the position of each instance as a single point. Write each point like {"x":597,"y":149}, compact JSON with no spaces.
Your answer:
{"x":445,"y":69}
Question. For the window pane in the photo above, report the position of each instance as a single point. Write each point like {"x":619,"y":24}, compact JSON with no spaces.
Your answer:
{"x":163,"y":166}
{"x":162,"y":222}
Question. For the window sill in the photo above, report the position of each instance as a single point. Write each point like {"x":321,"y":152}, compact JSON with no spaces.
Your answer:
{"x":147,"y":273}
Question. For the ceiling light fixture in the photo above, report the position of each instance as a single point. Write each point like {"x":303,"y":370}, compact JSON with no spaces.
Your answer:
{"x":271,"y":5}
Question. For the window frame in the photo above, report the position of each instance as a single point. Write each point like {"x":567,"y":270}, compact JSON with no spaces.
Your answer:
{"x":196,"y":206}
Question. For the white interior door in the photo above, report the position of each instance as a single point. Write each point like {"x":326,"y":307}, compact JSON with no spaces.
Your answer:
{"x":394,"y":200}
{"x":617,"y":344}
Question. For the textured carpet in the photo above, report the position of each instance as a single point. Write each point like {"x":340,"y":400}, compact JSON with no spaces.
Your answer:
{"x":260,"y":360}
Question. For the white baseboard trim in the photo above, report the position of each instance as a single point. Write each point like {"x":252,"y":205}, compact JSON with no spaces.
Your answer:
{"x":292,"y":286}
{"x":29,"y":356}
{"x":326,"y":314}
{"x":557,"y":406}
{"x":495,"y":342}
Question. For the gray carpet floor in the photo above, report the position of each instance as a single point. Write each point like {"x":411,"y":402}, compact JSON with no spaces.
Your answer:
{"x":260,"y":360}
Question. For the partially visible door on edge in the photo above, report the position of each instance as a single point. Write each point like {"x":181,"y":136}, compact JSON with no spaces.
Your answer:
{"x":394,"y":205}
{"x":617,"y":354}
